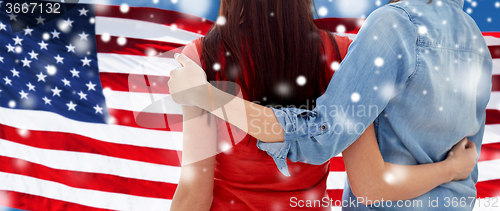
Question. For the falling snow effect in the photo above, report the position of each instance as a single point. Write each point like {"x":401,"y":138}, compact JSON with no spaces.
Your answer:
{"x":301,"y":80}
{"x":221,"y":21}
{"x":379,"y":62}
{"x":355,"y":97}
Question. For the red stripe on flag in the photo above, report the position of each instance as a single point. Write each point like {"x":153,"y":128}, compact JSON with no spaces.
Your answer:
{"x":31,"y":202}
{"x":495,"y":80}
{"x":492,"y":117}
{"x":490,"y":152}
{"x":495,"y":51}
{"x":352,"y":25}
{"x":166,"y":17}
{"x":493,"y":34}
{"x":489,"y":188}
{"x":138,"y":47}
{"x":77,"y":143}
{"x":135,"y":83}
{"x":154,"y":121}
{"x":335,"y":195}
{"x":90,"y":181}
{"x":337,"y":164}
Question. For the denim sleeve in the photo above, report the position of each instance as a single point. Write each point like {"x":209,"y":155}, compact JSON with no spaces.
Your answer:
{"x":380,"y":62}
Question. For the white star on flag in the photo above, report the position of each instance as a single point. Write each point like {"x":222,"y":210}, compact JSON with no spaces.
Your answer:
{"x":56,"y":91}
{"x":3,"y":26}
{"x":13,"y":17}
{"x":30,"y":87}
{"x":27,"y":31}
{"x":7,"y":81}
{"x":47,"y":100}
{"x":98,"y":109}
{"x":55,"y":34}
{"x":82,"y":95}
{"x":17,"y":40}
{"x":43,"y":45}
{"x":23,"y":94}
{"x":71,"y":48}
{"x":66,"y":82}
{"x":41,"y":77}
{"x":10,"y":48}
{"x":86,"y":62}
{"x":83,"y":11}
{"x":15,"y":73}
{"x":83,"y":36}
{"x":75,"y":73}
{"x":33,"y":55}
{"x":71,"y":106}
{"x":59,"y":59}
{"x":69,"y":22}
{"x":40,"y":20}
{"x":91,"y":86}
{"x":26,"y":62}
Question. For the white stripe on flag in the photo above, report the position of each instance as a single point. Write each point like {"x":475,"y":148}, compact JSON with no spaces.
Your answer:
{"x":491,"y":134}
{"x":336,"y":180}
{"x":37,"y":120}
{"x":490,"y":40}
{"x":129,"y":64}
{"x":91,"y":163}
{"x":494,"y":101}
{"x":92,"y":198}
{"x":133,"y":101}
{"x":496,"y":66}
{"x":142,"y":30}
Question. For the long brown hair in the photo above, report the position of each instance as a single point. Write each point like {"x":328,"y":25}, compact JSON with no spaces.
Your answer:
{"x":264,"y":46}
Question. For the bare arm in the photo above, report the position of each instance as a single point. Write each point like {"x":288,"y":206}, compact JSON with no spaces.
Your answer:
{"x":373,"y":179}
{"x":195,"y":189}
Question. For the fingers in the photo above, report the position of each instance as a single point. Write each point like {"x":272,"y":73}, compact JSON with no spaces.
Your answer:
{"x":183,"y":59}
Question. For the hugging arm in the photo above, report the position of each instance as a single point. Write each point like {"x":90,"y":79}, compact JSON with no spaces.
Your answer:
{"x":195,"y":188}
{"x":373,"y":179}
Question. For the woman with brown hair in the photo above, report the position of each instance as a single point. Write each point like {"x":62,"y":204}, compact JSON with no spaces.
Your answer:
{"x":264,"y":46}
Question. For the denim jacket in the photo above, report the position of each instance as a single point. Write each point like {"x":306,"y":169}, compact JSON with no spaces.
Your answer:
{"x":421,"y":72}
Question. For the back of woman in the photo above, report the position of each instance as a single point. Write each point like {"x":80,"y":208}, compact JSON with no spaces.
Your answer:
{"x":277,"y":56}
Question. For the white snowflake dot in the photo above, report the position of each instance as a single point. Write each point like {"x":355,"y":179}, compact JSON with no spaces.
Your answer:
{"x":424,"y":92}
{"x":355,"y":97}
{"x":221,"y":21}
{"x":422,"y":30}
{"x":301,"y":80}
{"x":335,"y":65}
{"x":322,"y":11}
{"x":497,"y":4}
{"x":124,"y":8}
{"x":18,"y":49}
{"x":440,"y":108}
{"x":341,"y":29}
{"x":105,"y":37}
{"x":469,"y":10}
{"x":12,"y":104}
{"x":379,"y":62}
{"x":216,"y":66}
{"x":439,"y":3}
{"x":473,"y":4}
{"x":174,"y":1}
{"x":122,"y":41}
{"x":489,"y":20}
{"x":375,"y":88}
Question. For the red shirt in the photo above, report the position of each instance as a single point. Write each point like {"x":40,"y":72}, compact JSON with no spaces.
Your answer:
{"x":246,"y":178}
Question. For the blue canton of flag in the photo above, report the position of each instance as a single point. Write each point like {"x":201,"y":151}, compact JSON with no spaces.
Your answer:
{"x":53,"y":66}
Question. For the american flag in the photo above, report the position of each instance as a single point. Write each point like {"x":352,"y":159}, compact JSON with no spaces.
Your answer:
{"x":71,"y":90}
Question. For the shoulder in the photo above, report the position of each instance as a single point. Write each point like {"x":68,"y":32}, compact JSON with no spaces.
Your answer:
{"x":193,"y":50}
{"x":343,"y":43}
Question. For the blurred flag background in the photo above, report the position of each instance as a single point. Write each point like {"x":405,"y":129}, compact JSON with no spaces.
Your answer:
{"x":69,"y":139}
